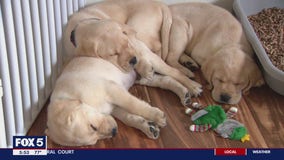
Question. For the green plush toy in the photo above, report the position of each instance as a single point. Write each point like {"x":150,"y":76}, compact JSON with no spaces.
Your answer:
{"x":214,"y":117}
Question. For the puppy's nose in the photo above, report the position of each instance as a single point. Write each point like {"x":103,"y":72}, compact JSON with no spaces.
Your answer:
{"x":114,"y":131}
{"x":224,"y":97}
{"x":133,"y":61}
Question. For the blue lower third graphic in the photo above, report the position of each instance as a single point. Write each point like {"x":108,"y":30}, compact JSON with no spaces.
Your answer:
{"x":141,"y":154}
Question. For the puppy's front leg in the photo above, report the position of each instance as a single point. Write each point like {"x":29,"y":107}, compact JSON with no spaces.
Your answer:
{"x":144,"y":69}
{"x":121,"y":97}
{"x":180,"y":36}
{"x":161,"y":67}
{"x":132,"y":120}
{"x":167,"y":82}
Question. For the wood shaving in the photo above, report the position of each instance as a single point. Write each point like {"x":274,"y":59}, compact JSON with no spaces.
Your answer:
{"x":269,"y":27}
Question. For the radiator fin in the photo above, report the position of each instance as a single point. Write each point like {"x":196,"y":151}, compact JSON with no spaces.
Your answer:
{"x":30,"y":59}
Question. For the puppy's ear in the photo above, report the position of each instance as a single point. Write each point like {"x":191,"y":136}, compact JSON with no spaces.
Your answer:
{"x":208,"y":70}
{"x":254,"y":76}
{"x":86,"y":41}
{"x":64,"y":111}
{"x":74,"y":108}
{"x":87,"y":47}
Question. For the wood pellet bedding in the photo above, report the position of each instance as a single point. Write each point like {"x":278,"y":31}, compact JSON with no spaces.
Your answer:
{"x":269,"y":27}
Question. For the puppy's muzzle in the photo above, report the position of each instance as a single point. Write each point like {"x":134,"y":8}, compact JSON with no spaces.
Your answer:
{"x":224,"y":97}
{"x":133,"y":61}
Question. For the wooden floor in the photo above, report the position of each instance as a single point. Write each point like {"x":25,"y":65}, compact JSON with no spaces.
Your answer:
{"x":262,"y":112}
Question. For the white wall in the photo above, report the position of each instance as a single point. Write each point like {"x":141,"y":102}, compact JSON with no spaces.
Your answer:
{"x":223,"y":3}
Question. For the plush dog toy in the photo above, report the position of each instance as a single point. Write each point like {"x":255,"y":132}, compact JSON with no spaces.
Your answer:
{"x":215,"y":117}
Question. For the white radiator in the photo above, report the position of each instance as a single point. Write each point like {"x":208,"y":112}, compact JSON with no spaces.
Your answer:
{"x":30,"y":59}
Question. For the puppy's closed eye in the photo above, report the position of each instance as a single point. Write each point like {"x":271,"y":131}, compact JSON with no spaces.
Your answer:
{"x":93,"y":127}
{"x":220,"y":81}
{"x":115,"y":54}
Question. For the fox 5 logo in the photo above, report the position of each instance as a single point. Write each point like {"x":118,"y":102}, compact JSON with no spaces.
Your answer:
{"x":29,"y":142}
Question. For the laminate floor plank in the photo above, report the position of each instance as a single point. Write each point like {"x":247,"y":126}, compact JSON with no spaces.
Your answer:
{"x":261,"y":111}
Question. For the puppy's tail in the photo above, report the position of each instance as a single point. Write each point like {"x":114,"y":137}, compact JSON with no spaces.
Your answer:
{"x":165,"y":30}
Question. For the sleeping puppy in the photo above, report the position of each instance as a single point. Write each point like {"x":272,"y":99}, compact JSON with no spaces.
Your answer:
{"x":117,"y":43}
{"x":214,"y":39}
{"x":150,"y":19}
{"x":86,"y":96}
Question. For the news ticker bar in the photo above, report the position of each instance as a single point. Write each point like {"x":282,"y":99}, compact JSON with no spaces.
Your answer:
{"x":217,"y":152}
{"x":142,"y":154}
{"x":35,"y":146}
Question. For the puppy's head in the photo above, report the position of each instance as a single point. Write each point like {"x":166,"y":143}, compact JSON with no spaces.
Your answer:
{"x":106,"y":39}
{"x":72,"y":123}
{"x":230,"y":72}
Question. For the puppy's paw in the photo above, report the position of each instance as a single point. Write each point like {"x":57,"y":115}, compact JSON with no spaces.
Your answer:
{"x":196,"y":89}
{"x":190,"y":74}
{"x":185,"y":100}
{"x":188,"y":62}
{"x":149,"y":74}
{"x":196,"y":92}
{"x":160,"y":117}
{"x":142,"y":81}
{"x":152,"y":130}
{"x":191,"y":65}
{"x":146,"y":74}
{"x":145,"y":70}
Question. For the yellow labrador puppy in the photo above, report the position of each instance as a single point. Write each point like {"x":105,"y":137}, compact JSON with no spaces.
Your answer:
{"x":93,"y":32}
{"x":214,"y":39}
{"x":150,"y":19}
{"x":92,"y":90}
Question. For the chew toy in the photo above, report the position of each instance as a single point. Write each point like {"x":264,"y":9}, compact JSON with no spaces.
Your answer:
{"x":214,"y":117}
